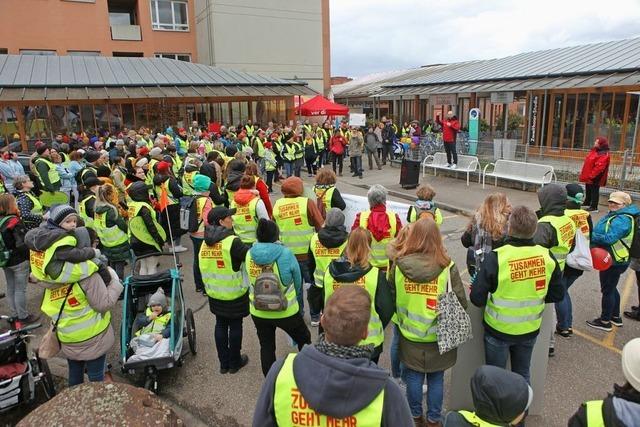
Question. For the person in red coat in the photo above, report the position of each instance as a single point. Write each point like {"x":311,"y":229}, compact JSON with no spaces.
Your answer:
{"x":450,"y":129}
{"x":336,"y":151}
{"x":594,"y":172}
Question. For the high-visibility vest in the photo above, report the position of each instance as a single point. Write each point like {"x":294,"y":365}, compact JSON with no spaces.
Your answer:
{"x":200,"y":202}
{"x":110,"y":237}
{"x":221,"y":282}
{"x":253,"y":270}
{"x":278,"y":147}
{"x":82,"y":211}
{"x":65,"y":159}
{"x":620,"y":249}
{"x":3,"y":189}
{"x":250,"y":129}
{"x":70,"y":273}
{"x":150,"y":172}
{"x":593,"y":411}
{"x":475,"y":420}
{"x":326,"y":194}
{"x":187,"y":183}
{"x":52,"y":173}
{"x":78,"y":321}
{"x":323,"y":257}
{"x":291,"y":216}
{"x":379,"y":249}
{"x":138,"y":228}
{"x":375,"y":332}
{"x":291,"y":409}
{"x":417,"y":305}
{"x":299,"y":150}
{"x":37,"y":208}
{"x":155,"y":326}
{"x":208,"y":146}
{"x":580,"y":219}
{"x":319,"y":141}
{"x":176,"y":165}
{"x":157,"y":189}
{"x":405,"y":131}
{"x":89,"y":169}
{"x":517,"y":306}
{"x":260,"y":147}
{"x":415,"y":212}
{"x":565,"y":232}
{"x":289,"y":152}
{"x":245,"y":220}
{"x":307,"y":129}
{"x":182,"y":146}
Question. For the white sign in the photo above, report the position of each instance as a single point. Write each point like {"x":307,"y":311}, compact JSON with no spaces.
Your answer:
{"x":356,"y":204}
{"x":357,"y":119}
{"x":501,"y":97}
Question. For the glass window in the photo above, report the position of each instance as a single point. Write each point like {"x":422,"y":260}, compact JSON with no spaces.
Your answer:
{"x":604,"y":116}
{"x":141,"y":115}
{"x":73,"y":118}
{"x":115,"y":118}
{"x":581,"y":111}
{"x":37,"y":52}
{"x":615,"y":121}
{"x":102,"y":116}
{"x":128,"y":120}
{"x":120,"y":18}
{"x":169,"y":15}
{"x":631,"y":122}
{"x":224,"y":112}
{"x":558,"y":101}
{"x":592,"y":118}
{"x":58,"y":119}
{"x":154,"y":116}
{"x":569,"y":121}
{"x":86,"y":113}
{"x":83,"y":53}
{"x":179,"y":56}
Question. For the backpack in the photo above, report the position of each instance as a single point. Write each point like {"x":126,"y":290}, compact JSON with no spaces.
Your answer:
{"x":267,"y":291}
{"x":634,"y":248}
{"x":5,"y":253}
{"x":189,"y":220}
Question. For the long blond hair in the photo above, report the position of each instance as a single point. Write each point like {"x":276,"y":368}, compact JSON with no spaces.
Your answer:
{"x":358,"y":247}
{"x":493,"y":215}
{"x":424,"y":238}
{"x":397,"y":244}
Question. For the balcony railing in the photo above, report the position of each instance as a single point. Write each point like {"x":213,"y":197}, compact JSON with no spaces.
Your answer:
{"x":126,"y":32}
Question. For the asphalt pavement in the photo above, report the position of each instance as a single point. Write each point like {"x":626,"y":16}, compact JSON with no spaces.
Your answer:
{"x":584,"y":368}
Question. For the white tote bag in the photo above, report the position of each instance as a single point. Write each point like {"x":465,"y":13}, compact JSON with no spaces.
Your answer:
{"x":580,"y":257}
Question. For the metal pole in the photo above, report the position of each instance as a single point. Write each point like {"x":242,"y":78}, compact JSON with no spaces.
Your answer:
{"x":635,"y":135}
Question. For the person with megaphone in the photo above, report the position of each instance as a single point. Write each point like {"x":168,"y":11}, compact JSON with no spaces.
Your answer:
{"x":614,"y":233}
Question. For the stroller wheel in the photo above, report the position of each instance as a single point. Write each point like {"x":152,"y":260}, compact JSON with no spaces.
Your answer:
{"x":46,"y":379}
{"x":191,"y":331}
{"x":151,"y":383}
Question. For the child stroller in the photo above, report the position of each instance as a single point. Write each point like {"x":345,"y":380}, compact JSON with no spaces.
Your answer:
{"x":137,"y":290}
{"x":21,"y":369}
{"x":398,"y":150}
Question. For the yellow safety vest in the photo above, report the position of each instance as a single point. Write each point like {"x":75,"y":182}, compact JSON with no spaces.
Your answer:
{"x":417,"y":305}
{"x":565,"y":232}
{"x":319,"y":142}
{"x":326,"y":194}
{"x":323,"y":257}
{"x":289,"y":152}
{"x":187,"y":183}
{"x":379,"y":249}
{"x":110,"y":237}
{"x":71,"y":272}
{"x":260,"y":147}
{"x":299,"y":150}
{"x":249,"y":129}
{"x":620,"y":249}
{"x":157,"y":189}
{"x":253,"y":270}
{"x":475,"y":420}
{"x":245,"y":220}
{"x":82,"y":211}
{"x":413,"y":214}
{"x":593,"y":410}
{"x":291,"y":216}
{"x":177,"y":165}
{"x":37,"y":208}
{"x":292,"y":410}
{"x":517,"y":306}
{"x":375,"y":331}
{"x":155,"y":326}
{"x":139,"y":229}
{"x":201,"y":202}
{"x":580,"y":219}
{"x":221,"y":282}
{"x":54,"y":176}
{"x":78,"y":321}
{"x":150,"y":172}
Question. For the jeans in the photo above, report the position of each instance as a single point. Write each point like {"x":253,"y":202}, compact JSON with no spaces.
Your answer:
{"x":497,"y":352}
{"x":288,"y":169}
{"x":609,"y":288}
{"x":394,"y":353}
{"x":17,"y":276}
{"x":564,"y":308}
{"x":337,"y":158}
{"x":450,"y":149}
{"x":322,"y":158}
{"x":435,"y":393}
{"x":307,"y":277}
{"x":197,"y":275}
{"x":228,"y":336}
{"x":356,"y":165}
{"x":297,"y":167}
{"x":593,"y":195}
{"x":371,"y":156}
{"x":95,"y":370}
{"x":294,"y":326}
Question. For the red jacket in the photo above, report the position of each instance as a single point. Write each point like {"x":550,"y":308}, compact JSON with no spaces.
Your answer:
{"x":450,"y":128}
{"x":337,"y":144}
{"x":378,"y":223}
{"x":596,"y":167}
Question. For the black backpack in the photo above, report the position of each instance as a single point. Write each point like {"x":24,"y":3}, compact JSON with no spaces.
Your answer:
{"x":634,"y":248}
{"x":5,"y":253}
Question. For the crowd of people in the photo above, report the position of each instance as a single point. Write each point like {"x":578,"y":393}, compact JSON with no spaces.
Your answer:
{"x":89,"y":205}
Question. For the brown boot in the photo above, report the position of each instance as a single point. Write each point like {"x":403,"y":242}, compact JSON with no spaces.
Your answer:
{"x":419,"y":421}
{"x":433,"y":423}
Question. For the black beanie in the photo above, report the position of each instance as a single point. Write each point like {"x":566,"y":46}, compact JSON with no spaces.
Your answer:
{"x":575,"y":193}
{"x":267,"y":231}
{"x":41,"y":149}
{"x":58,"y":213}
{"x":103,"y":171}
{"x":91,"y":156}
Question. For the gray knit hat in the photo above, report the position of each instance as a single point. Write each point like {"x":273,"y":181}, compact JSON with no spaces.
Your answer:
{"x":59,"y":213}
{"x":335,"y":218}
{"x":158,"y":298}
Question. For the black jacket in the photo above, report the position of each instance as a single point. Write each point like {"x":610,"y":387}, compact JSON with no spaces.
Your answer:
{"x":239,"y":307}
{"x":553,"y":202}
{"x":620,"y":409}
{"x":487,"y":283}
{"x":13,"y":232}
{"x":140,"y":193}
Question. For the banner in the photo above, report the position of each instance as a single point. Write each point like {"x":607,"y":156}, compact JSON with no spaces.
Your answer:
{"x":356,"y":204}
{"x":357,"y":119}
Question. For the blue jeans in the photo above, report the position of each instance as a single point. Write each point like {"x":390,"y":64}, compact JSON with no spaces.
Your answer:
{"x":396,"y":365}
{"x":305,"y":272}
{"x":435,"y":392}
{"x":228,"y":336}
{"x":95,"y":370}
{"x":497,"y":352}
{"x":564,"y":308}
{"x":288,"y":169}
{"x":609,"y":287}
{"x":197,"y":275}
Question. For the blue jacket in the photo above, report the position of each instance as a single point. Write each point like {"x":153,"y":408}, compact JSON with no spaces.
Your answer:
{"x":10,"y":169}
{"x":620,"y":227}
{"x":267,"y":253}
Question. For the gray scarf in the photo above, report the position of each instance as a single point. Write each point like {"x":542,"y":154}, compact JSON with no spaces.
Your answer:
{"x":344,"y":351}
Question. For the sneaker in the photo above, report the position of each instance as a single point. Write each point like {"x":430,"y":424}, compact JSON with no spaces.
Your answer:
{"x":315,"y":321}
{"x":449,"y":165}
{"x":454,"y":166}
{"x":616,"y":321}
{"x":32,"y":318}
{"x":633,"y":314}
{"x":224,"y":370}
{"x":180,"y":249}
{"x":552,"y":351}
{"x":570,"y":331}
{"x":244,"y":359}
{"x":599,"y":324}
{"x":563,"y":332}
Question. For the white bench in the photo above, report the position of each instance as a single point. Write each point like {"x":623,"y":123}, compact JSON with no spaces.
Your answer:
{"x":465,"y":163}
{"x":532,"y":173}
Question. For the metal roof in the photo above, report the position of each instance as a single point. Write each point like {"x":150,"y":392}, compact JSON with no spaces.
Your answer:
{"x":25,"y":77}
{"x":596,"y":58}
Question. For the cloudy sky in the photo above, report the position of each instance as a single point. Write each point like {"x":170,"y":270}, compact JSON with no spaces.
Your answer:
{"x":369,"y":36}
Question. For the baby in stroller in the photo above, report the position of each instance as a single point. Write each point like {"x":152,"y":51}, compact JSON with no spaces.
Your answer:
{"x":152,"y":328}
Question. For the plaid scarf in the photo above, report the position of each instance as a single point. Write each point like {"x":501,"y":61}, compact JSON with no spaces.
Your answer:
{"x":344,"y":351}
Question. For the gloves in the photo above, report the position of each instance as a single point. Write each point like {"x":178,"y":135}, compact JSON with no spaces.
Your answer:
{"x":97,"y":253}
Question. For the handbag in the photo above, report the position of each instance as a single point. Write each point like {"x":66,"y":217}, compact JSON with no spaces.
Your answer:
{"x":580,"y":257}
{"x":454,"y":324}
{"x":50,"y":344}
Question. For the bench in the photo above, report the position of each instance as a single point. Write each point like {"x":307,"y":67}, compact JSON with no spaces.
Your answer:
{"x":438,"y":160}
{"x":532,"y":173}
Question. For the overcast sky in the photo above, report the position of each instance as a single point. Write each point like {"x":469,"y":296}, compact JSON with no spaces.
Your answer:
{"x":369,"y":36}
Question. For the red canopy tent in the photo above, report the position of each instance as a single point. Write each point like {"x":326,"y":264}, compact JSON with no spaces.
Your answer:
{"x":321,"y":106}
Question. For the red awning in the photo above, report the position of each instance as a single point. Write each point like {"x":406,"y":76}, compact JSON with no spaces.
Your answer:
{"x":321,"y":106}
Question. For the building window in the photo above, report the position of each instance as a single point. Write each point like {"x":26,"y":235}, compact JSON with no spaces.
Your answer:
{"x":83,"y":53}
{"x":4,"y":51}
{"x":179,"y":56}
{"x":37,"y":52}
{"x":169,"y":15}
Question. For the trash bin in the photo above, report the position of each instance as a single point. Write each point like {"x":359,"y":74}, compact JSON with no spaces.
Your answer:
{"x":409,"y":173}
{"x":509,"y":149}
{"x":497,"y":148}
